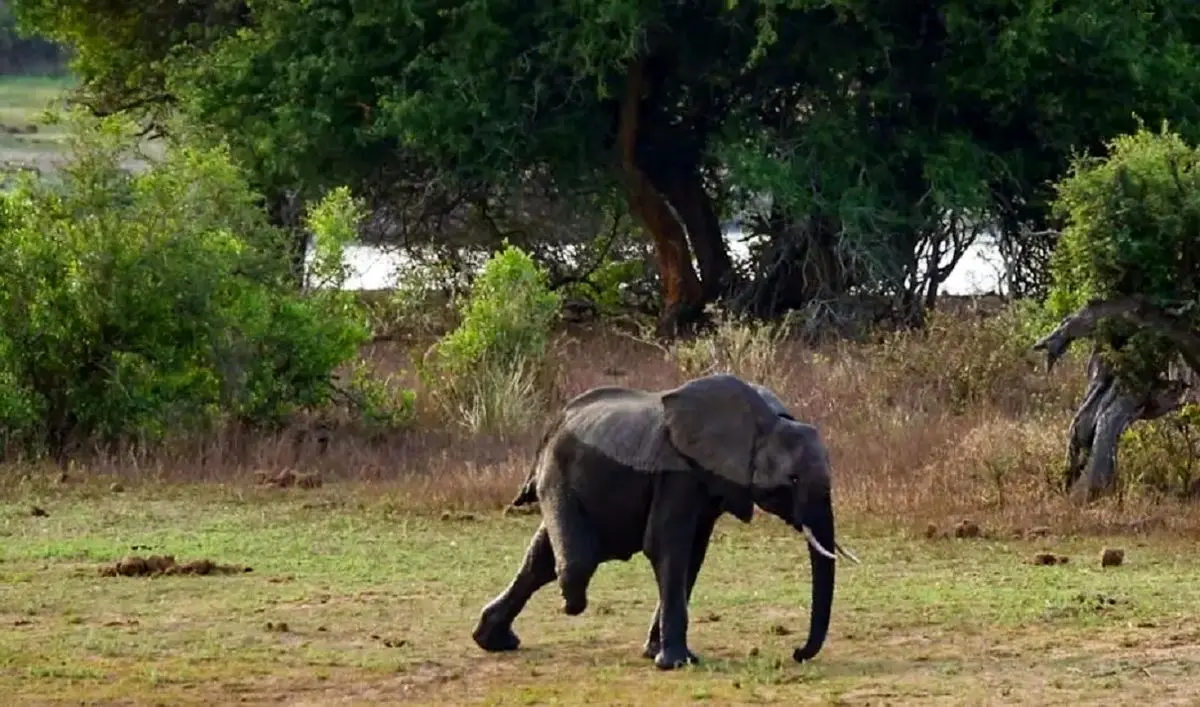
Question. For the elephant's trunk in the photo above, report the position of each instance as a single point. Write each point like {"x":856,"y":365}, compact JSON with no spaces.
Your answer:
{"x":818,"y":518}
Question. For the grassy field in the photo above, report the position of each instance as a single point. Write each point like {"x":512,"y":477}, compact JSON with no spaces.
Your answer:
{"x":353,"y":599}
{"x":24,"y":136}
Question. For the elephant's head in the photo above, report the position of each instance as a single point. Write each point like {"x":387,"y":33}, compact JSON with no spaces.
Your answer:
{"x":764,"y":458}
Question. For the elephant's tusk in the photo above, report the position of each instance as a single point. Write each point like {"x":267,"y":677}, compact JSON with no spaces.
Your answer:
{"x":849,"y":555}
{"x":812,"y":540}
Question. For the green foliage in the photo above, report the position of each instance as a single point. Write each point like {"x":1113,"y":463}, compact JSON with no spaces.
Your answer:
{"x":606,"y":286}
{"x":1163,"y":455}
{"x":377,"y":402}
{"x":138,"y":305}
{"x":334,"y":223}
{"x":975,"y":113}
{"x":499,"y":348}
{"x":22,"y":54}
{"x":507,"y":317}
{"x":417,"y":306}
{"x":1132,"y":227}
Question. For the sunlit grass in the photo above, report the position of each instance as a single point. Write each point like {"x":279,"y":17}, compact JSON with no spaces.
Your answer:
{"x":378,"y":603}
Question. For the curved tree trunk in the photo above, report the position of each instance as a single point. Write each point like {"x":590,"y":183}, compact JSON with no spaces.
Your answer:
{"x":1110,"y":406}
{"x":684,"y":189}
{"x":683,"y":299}
{"x":1107,"y":410}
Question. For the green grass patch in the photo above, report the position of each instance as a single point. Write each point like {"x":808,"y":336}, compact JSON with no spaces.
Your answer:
{"x":23,"y":99}
{"x":353,"y":598}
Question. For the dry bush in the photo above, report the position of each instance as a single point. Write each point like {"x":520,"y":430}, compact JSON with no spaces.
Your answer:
{"x":751,"y":349}
{"x":957,"y":364}
{"x":924,"y":428}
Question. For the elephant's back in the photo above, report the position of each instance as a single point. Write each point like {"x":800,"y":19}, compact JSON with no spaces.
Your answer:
{"x":626,"y":425}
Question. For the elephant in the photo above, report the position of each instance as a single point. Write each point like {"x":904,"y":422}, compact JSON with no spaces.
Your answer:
{"x":623,"y":470}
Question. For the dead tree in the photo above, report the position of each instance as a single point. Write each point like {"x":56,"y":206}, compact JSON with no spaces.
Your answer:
{"x":1111,"y":404}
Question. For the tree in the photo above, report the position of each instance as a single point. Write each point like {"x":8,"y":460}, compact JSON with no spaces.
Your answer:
{"x":887,"y":134}
{"x":1126,"y":274}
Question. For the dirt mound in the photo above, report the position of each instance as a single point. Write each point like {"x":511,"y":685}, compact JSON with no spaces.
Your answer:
{"x":165,"y":565}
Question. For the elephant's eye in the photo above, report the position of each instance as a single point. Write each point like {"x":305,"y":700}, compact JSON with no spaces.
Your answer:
{"x":793,"y":479}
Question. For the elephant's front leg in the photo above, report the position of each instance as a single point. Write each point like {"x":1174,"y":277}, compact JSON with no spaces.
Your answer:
{"x":699,"y":549}
{"x":669,"y":546}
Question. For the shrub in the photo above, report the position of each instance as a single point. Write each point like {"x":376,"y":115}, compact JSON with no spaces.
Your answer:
{"x":486,"y":372}
{"x":735,"y":344}
{"x":956,"y":362}
{"x":1161,"y":455}
{"x":417,"y":306}
{"x":139,"y":305}
{"x":1131,"y":228}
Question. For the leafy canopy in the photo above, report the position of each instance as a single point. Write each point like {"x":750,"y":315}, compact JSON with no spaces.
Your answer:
{"x":866,"y":120}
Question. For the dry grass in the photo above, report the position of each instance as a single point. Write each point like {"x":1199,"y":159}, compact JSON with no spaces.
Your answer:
{"x":925,"y":427}
{"x":958,"y":421}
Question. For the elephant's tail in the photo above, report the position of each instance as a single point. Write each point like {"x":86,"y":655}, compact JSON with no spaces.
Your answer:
{"x":528,"y":493}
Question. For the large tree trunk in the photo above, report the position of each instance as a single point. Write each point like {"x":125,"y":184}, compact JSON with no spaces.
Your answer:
{"x":1110,"y":405}
{"x":684,"y":188}
{"x":1108,"y":409}
{"x":683,"y":298}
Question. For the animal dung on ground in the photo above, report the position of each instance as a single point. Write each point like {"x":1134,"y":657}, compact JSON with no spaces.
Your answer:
{"x":967,"y":529}
{"x":1049,"y":558}
{"x":164,"y":565}
{"x":456,"y":515}
{"x":38,"y":512}
{"x":1112,"y":557}
{"x":288,"y":478}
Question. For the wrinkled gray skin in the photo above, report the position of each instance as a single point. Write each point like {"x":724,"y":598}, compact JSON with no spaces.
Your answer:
{"x":623,"y":471}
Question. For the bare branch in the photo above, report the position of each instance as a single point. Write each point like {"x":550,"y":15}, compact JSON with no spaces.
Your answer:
{"x":1135,"y":310}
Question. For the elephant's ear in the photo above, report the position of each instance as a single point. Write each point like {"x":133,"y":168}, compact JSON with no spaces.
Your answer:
{"x":714,"y":421}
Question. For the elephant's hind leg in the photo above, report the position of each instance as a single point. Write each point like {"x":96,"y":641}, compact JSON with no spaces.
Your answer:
{"x":494,"y":630}
{"x":575,"y":546}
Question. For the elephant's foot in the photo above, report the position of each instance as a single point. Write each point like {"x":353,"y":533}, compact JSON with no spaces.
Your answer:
{"x":671,"y":658}
{"x":574,"y":584}
{"x":651,"y":648}
{"x":575,"y":605}
{"x":494,"y":636}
